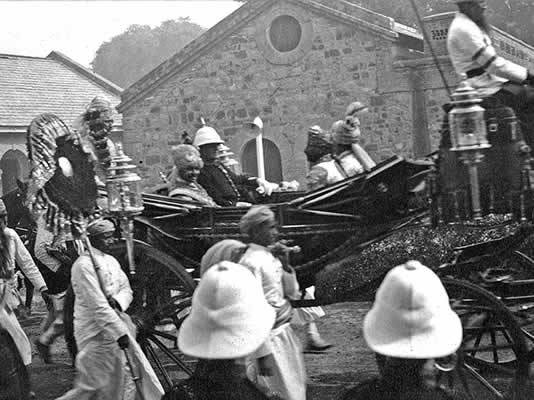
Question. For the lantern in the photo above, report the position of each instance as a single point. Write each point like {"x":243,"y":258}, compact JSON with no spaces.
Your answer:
{"x":466,"y":120}
{"x":469,"y":137}
{"x":125,"y":200}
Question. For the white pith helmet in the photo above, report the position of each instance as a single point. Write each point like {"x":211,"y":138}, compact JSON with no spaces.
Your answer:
{"x":411,"y":316}
{"x":206,"y":135}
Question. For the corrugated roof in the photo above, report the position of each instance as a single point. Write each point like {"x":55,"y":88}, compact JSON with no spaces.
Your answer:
{"x":31,"y":85}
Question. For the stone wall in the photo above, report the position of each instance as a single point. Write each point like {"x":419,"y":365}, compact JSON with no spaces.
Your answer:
{"x":334,"y":65}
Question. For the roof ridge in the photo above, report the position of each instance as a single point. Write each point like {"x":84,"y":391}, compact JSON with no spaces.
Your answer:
{"x":77,"y":67}
{"x":227,"y":25}
{"x":5,"y":55}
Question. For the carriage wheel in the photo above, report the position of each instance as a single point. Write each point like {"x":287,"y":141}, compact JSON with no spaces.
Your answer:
{"x":492,"y":362}
{"x":14,"y":380}
{"x":162,"y":291}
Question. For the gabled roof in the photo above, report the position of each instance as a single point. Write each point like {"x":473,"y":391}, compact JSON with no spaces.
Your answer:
{"x":343,"y":11}
{"x":56,"y":84}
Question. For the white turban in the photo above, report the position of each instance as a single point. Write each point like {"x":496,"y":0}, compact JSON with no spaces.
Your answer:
{"x":255,"y":216}
{"x":185,"y":155}
{"x":100,"y":226}
{"x":220,"y":251}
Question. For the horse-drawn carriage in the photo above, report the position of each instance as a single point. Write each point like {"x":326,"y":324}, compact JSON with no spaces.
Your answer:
{"x":490,"y":282}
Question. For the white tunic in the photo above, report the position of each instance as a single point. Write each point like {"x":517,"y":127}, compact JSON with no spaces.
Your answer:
{"x":470,"y":48}
{"x":9,"y":296}
{"x":288,"y":380}
{"x":101,"y":365}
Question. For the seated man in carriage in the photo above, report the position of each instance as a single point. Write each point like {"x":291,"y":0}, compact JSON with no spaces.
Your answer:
{"x":348,"y":158}
{"x":473,"y":55}
{"x":183,"y":180}
{"x":224,"y":186}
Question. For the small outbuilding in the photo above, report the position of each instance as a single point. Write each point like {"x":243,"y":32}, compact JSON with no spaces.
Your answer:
{"x":30,"y":86}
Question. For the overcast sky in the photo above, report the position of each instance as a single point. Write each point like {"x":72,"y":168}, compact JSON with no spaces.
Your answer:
{"x":77,"y":28}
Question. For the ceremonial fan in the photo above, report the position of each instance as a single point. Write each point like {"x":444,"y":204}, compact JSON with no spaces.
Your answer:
{"x":63,"y":185}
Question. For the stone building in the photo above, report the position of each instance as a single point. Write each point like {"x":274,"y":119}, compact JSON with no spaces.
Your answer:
{"x":33,"y":85}
{"x":295,"y":63}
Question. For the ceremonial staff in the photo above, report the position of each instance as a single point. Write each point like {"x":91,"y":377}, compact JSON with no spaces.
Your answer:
{"x":63,"y":186}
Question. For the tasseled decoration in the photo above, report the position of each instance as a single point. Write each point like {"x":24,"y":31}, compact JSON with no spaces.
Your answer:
{"x":67,"y":200}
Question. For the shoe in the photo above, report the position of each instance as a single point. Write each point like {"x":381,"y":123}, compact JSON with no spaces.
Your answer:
{"x":317,"y":344}
{"x":44,"y":351}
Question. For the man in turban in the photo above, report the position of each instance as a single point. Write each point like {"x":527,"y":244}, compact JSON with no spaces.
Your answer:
{"x":348,"y":152}
{"x":287,"y":378}
{"x":324,"y":170}
{"x":102,"y":329}
{"x":183,"y":180}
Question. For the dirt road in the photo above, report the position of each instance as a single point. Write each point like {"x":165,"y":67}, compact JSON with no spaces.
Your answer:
{"x":344,"y":365}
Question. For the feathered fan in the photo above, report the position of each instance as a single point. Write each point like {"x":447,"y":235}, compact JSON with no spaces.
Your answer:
{"x":62,"y":177}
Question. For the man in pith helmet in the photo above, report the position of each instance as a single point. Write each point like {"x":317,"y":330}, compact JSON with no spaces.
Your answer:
{"x":222,"y":184}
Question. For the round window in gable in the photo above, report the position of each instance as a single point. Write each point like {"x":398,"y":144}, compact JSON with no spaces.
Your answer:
{"x":285,"y":33}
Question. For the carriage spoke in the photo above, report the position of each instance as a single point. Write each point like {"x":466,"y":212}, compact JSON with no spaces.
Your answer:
{"x":464,"y":382}
{"x":483,"y":381}
{"x":149,"y":351}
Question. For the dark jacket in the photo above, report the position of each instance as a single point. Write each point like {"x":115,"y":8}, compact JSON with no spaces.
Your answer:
{"x":225,"y":187}
{"x":378,"y":389}
{"x":224,"y":383}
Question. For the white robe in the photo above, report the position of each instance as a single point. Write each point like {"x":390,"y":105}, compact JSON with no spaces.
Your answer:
{"x":289,"y":373}
{"x":9,"y":296}
{"x":102,"y":372}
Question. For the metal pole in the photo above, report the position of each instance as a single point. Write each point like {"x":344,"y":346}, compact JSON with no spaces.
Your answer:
{"x":135,"y":378}
{"x":429,"y":43}
{"x":258,"y":123}
{"x":259,"y":155}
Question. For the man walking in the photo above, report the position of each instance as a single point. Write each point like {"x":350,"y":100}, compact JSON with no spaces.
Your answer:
{"x":102,"y":330}
{"x":12,"y":251}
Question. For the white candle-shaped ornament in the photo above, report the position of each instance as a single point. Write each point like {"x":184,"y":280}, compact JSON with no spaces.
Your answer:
{"x":258,"y":123}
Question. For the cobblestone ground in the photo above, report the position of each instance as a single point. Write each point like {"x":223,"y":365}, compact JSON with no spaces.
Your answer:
{"x":329,"y":373}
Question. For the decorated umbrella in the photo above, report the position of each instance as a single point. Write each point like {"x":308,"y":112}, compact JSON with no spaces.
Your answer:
{"x":63,"y":185}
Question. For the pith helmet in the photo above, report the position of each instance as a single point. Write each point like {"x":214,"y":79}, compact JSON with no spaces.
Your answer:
{"x":206,"y":135}
{"x":411,"y":316}
{"x":229,"y":318}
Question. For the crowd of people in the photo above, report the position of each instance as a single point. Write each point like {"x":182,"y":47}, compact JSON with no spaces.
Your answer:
{"x":242,"y":325}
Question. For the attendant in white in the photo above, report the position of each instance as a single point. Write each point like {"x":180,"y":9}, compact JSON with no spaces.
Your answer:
{"x":58,"y":279}
{"x":474,"y":57}
{"x":282,"y":373}
{"x":12,"y":250}
{"x":102,"y":329}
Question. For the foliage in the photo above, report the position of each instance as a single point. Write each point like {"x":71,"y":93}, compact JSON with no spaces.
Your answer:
{"x":132,"y":54}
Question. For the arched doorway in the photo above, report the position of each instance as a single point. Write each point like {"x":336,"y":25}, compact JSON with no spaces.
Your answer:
{"x":14,"y":165}
{"x":271,"y":156}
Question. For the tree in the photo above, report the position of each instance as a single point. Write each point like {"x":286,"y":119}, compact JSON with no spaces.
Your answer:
{"x":132,"y":54}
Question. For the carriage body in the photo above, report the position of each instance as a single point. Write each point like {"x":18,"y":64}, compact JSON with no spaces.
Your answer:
{"x":321,"y":222}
